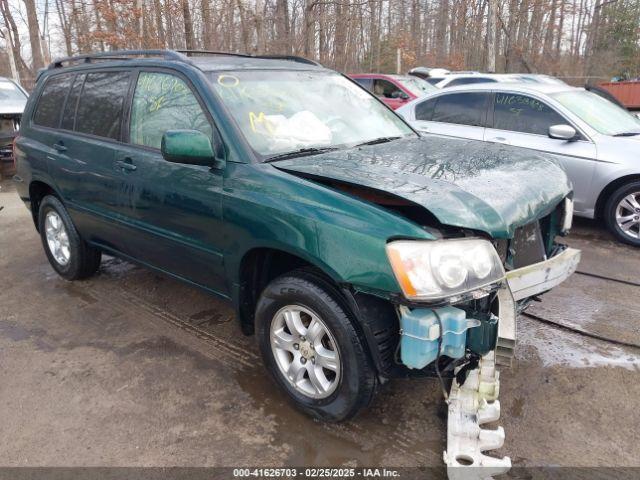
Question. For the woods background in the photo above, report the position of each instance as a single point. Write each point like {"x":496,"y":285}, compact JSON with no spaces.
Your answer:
{"x":581,"y":40}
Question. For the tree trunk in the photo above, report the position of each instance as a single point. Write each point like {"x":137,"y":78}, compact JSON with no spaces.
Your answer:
{"x":37,"y":59}
{"x":188,"y":26}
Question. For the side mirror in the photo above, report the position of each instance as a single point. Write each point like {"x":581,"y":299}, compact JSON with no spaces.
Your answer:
{"x":563,"y":132}
{"x":190,"y":147}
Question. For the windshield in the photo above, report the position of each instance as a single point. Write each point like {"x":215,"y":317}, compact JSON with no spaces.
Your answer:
{"x":416,"y":86}
{"x":10,"y":92}
{"x":602,"y":115}
{"x":285,"y":111}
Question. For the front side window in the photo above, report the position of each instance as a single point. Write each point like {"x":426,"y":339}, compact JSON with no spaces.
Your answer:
{"x":51,"y":101}
{"x":599,"y":113}
{"x":284,"y":111}
{"x":521,"y":113}
{"x":385,"y":89}
{"x":461,"y":108}
{"x":164,"y":102}
{"x":101,"y":104}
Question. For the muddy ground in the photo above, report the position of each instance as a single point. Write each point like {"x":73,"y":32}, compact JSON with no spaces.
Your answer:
{"x":131,"y":368}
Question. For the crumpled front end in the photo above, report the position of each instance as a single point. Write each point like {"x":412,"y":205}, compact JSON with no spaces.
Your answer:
{"x":476,"y":334}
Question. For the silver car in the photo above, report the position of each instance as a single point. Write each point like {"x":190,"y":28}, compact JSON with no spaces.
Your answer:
{"x":13,"y":98}
{"x":596,"y":141}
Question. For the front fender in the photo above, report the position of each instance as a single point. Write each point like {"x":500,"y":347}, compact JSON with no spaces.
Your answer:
{"x":343,"y":236}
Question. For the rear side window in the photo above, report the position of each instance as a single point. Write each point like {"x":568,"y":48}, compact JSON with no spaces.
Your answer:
{"x":461,"y":108}
{"x":51,"y":101}
{"x":69,"y":114}
{"x":164,"y":102}
{"x":424,"y":110}
{"x":521,"y":113}
{"x":101,"y":104}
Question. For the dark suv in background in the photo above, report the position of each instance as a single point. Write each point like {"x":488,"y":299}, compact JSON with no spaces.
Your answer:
{"x":289,"y":190}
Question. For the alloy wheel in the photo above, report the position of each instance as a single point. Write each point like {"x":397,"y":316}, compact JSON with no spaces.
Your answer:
{"x":57,"y":238}
{"x":628,"y":215}
{"x":305,"y":351}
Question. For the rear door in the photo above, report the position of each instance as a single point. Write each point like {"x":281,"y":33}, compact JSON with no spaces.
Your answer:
{"x":174,"y":211}
{"x":86,"y":142}
{"x":524,"y":121}
{"x":460,"y":115}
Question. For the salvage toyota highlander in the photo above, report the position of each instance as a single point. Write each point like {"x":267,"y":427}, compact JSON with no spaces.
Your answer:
{"x":355,"y":249}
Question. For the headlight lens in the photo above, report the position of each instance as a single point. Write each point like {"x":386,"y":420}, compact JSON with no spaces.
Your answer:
{"x":437,"y":269}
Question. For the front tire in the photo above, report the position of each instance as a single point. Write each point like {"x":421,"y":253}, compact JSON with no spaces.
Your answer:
{"x":311,"y":347}
{"x":69,"y":255}
{"x":622,"y":213}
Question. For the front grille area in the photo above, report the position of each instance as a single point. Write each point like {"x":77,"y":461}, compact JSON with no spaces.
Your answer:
{"x":527,"y":247}
{"x":531,"y":243}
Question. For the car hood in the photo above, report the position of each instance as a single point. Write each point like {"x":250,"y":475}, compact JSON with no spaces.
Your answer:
{"x":464,"y":183}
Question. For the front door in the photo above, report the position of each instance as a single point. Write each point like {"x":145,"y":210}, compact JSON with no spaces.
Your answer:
{"x":524,"y":121}
{"x":174,"y":210}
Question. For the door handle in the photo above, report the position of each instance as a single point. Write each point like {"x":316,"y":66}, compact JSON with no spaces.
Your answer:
{"x":59,"y":147}
{"x":126,"y":164}
{"x":499,"y":140}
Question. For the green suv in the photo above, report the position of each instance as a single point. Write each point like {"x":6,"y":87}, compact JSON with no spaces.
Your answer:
{"x":355,"y":249}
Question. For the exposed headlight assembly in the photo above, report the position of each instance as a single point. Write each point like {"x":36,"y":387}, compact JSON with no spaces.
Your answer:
{"x":432,"y":270}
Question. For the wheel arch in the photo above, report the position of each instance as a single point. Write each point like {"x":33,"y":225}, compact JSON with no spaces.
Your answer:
{"x":375,"y":317}
{"x":257,"y":267}
{"x":608,"y":190}
{"x":39,"y":189}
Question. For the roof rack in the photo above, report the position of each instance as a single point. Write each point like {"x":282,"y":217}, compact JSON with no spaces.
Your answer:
{"x":179,"y":55}
{"x":190,"y":53}
{"x":118,"y":55}
{"x":291,"y":58}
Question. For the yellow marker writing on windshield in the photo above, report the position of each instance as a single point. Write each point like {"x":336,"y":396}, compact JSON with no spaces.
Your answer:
{"x":260,"y":118}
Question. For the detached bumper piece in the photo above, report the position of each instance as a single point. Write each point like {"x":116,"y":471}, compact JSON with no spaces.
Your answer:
{"x":470,"y":405}
{"x":542,"y":276}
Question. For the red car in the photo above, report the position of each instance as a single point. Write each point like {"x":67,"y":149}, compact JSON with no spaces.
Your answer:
{"x":394,"y":90}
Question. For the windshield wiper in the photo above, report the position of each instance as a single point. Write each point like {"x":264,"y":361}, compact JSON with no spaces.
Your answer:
{"x":626,"y":134}
{"x":376,"y":141}
{"x":300,"y":153}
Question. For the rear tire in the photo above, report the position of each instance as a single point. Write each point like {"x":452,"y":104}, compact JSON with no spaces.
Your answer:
{"x":69,"y":255}
{"x":290,"y":311}
{"x":622,"y":213}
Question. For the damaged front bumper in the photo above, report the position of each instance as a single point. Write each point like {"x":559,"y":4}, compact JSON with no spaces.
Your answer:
{"x":534,"y":279}
{"x":475,"y":401}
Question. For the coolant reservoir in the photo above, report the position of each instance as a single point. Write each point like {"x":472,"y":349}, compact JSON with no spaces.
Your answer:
{"x":420,"y":331}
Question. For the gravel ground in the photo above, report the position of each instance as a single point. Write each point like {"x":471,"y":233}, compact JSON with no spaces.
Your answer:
{"x":131,"y":368}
